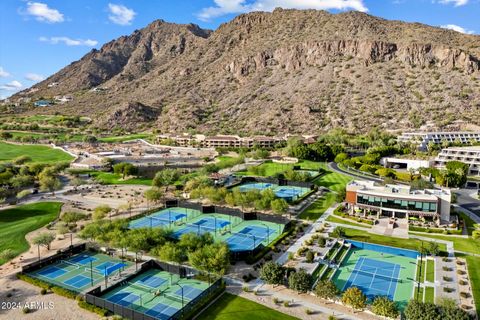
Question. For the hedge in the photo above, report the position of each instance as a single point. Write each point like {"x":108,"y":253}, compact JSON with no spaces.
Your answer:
{"x":434,"y":230}
{"x":45,"y":285}
{"x":90,"y":307}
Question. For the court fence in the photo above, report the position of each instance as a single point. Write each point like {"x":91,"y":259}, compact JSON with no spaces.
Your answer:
{"x":280,"y":182}
{"x":94,"y":296}
{"x":62,"y":254}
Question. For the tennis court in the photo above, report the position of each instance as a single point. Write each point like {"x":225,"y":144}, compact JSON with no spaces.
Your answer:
{"x":250,"y":234}
{"x":289,"y":193}
{"x":80,"y":271}
{"x":379,"y":271}
{"x":164,"y":218}
{"x":207,"y":223}
{"x":157,"y":293}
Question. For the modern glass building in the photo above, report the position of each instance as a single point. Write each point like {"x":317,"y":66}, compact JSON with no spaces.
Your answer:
{"x":398,"y":201}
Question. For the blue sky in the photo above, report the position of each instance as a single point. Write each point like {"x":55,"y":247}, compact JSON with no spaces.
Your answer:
{"x":39,"y":37}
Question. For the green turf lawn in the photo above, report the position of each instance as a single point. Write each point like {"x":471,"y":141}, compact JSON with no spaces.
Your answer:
{"x":332,"y":180}
{"x":420,"y":276}
{"x":125,"y":138}
{"x":332,"y":218}
{"x":429,"y":294}
{"x":230,"y":307}
{"x":113,"y":178}
{"x":412,"y":244}
{"x":430,"y":270}
{"x":460,"y":244}
{"x":473,"y":264}
{"x":418,"y":293}
{"x":38,"y":153}
{"x":15,"y":223}
{"x":272,"y":168}
{"x":318,"y":208}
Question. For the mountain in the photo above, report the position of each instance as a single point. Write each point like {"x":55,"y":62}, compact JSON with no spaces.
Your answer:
{"x":285,"y":71}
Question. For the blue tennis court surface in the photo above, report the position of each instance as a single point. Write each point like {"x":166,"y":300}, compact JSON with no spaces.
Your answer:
{"x":158,"y":219}
{"x":189,"y":292}
{"x":290,"y":193}
{"x":374,"y":277}
{"x":52,"y":272}
{"x":83,"y":259}
{"x":204,"y":225}
{"x":109,"y":267}
{"x":78,"y":281}
{"x":152,"y":281}
{"x":123,"y":298}
{"x":249,"y":238}
{"x":255,"y":186}
{"x":162,"y":311}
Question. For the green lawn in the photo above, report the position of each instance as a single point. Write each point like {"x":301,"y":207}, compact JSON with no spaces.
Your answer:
{"x":412,"y":244}
{"x":15,"y":223}
{"x":421,"y":272}
{"x":332,"y":218}
{"x":332,"y":180}
{"x":112,"y":178}
{"x":430,"y":275}
{"x":429,"y":294}
{"x":473,"y":264}
{"x":272,"y":168}
{"x":418,"y":293}
{"x":125,"y":138}
{"x":461,"y":244}
{"x":230,"y":307}
{"x":318,"y":208}
{"x":38,"y":153}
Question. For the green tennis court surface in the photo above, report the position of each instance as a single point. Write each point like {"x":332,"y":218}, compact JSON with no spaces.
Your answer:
{"x":156,"y":293}
{"x":378,"y":273}
{"x":239,"y":234}
{"x":81,"y":271}
{"x":289,"y":193}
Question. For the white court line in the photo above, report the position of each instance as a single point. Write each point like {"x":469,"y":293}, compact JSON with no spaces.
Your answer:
{"x":356,"y":274}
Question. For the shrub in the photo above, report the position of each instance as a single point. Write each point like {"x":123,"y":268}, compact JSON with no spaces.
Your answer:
{"x":276,"y":300}
{"x":246,"y":289}
{"x":463,"y":282}
{"x":286,"y":304}
{"x":64,"y":292}
{"x":444,"y":268}
{"x":464,"y":295}
{"x":448,"y":289}
{"x":461,"y":272}
{"x":309,"y":257}
{"x":448,"y":279}
{"x":26,"y":310}
{"x":308,"y":311}
{"x":43,"y":291}
{"x":90,"y":307}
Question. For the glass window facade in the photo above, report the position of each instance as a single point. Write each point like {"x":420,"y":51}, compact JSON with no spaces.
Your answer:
{"x":425,"y":206}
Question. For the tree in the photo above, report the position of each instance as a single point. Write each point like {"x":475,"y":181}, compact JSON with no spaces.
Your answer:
{"x":309,"y":256}
{"x":90,"y":139}
{"x":211,"y":258}
{"x":125,"y":169}
{"x":165,"y":177}
{"x":5,"y":135}
{"x":354,"y":298}
{"x":153,"y":195}
{"x":279,"y":206}
{"x":341,"y":157}
{"x":171,"y":253}
{"x":101,"y":212}
{"x":419,"y":311}
{"x":454,"y":313}
{"x":192,"y":242}
{"x":385,"y":307}
{"x":44,"y":239}
{"x":433,"y":249}
{"x":62,"y":228}
{"x":48,"y":180}
{"x":326,"y":289}
{"x":22,"y":194}
{"x":21,"y":160}
{"x":72,"y":217}
{"x":272,"y":273}
{"x":300,"y":281}
{"x":338,"y":232}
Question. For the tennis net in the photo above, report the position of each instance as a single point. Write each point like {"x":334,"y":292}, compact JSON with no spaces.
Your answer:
{"x":70,"y":263}
{"x":375,"y":275}
{"x":175,"y":298}
{"x":140,"y":287}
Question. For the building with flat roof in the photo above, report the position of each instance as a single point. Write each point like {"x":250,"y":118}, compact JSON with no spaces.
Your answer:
{"x":468,"y":155}
{"x":424,"y":138}
{"x":398,"y":201}
{"x":224,"y":141}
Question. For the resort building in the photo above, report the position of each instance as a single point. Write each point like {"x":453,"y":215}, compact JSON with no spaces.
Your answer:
{"x":223,"y":141}
{"x":398,"y":201}
{"x":468,"y":155}
{"x":404,"y":163}
{"x":424,"y":138}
